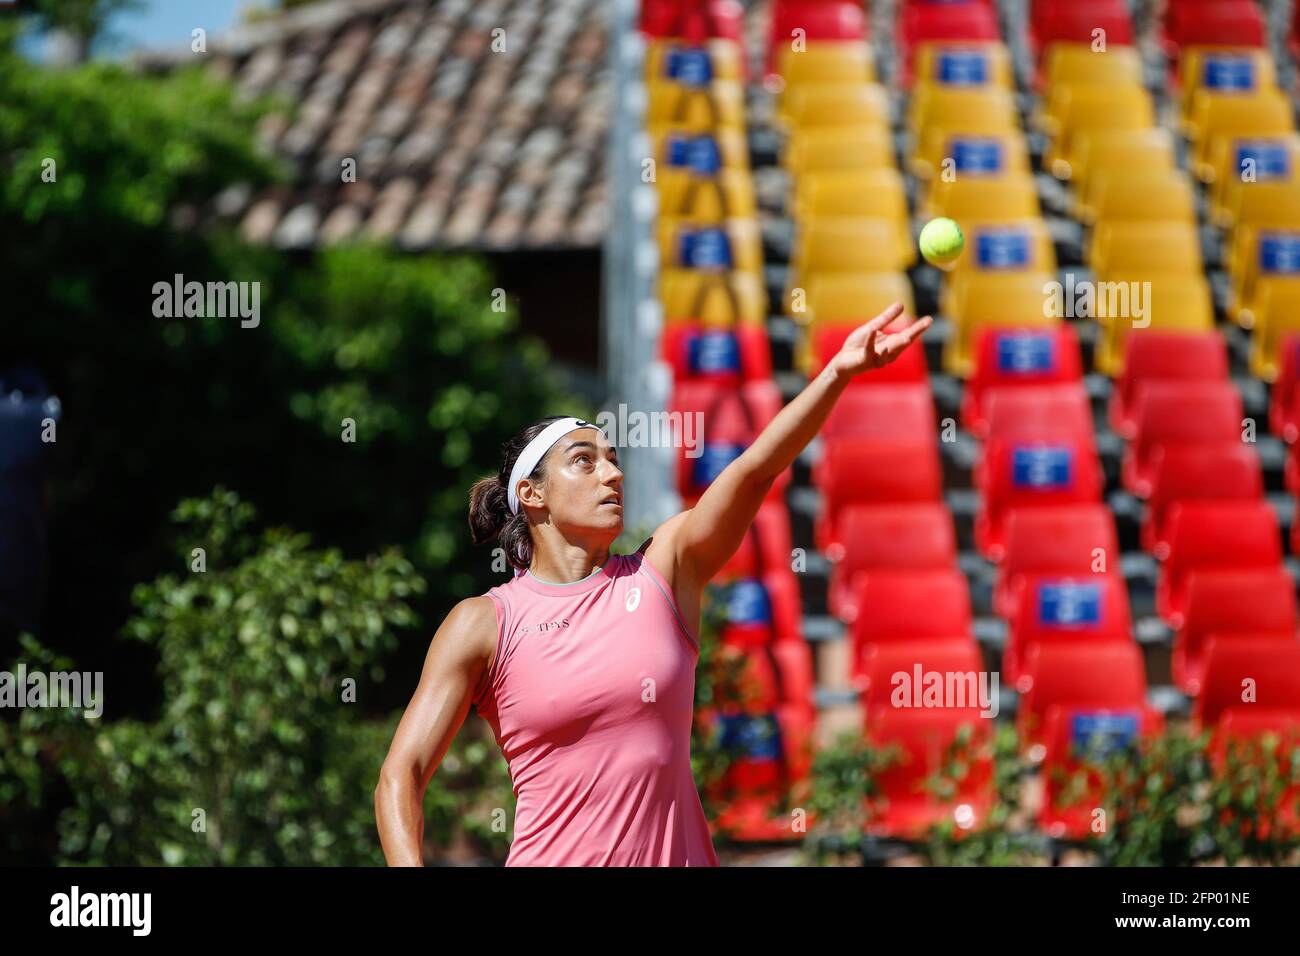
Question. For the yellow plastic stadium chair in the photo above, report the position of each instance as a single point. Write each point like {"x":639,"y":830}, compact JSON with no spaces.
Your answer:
{"x":1142,"y":196}
{"x":970,"y":280}
{"x":1264,"y":204}
{"x":668,"y":60}
{"x":843,"y":298}
{"x":1177,"y":303}
{"x":717,"y":299}
{"x":1117,"y":165}
{"x":823,"y":63}
{"x":1241,"y":162}
{"x":962,"y":63}
{"x":840,"y":104}
{"x":1096,"y":150}
{"x":1260,"y":257}
{"x":1006,"y":245}
{"x":1234,"y":116}
{"x":838,"y":148}
{"x":850,"y":296}
{"x":984,"y":153}
{"x":673,"y":144}
{"x":719,"y":106}
{"x":1077,"y":64}
{"x":1000,"y":247}
{"x":840,"y":244}
{"x":981,"y":108}
{"x":680,"y":245}
{"x":975,"y":199}
{"x":994,"y":300}
{"x":1145,"y":246}
{"x":1223,"y":69}
{"x":1278,"y":314}
{"x":869,"y":194}
{"x":1080,"y":108}
{"x":727,"y":195}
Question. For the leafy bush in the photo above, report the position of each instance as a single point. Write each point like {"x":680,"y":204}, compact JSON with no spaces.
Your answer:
{"x":259,"y":756}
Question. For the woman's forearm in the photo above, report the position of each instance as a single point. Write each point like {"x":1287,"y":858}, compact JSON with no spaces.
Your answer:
{"x":399,"y":814}
{"x":793,"y":427}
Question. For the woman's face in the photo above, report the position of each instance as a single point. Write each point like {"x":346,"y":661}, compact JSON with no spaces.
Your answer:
{"x":583,"y":489}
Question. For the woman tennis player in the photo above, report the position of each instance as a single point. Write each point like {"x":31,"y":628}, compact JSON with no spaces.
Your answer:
{"x":584,"y":663}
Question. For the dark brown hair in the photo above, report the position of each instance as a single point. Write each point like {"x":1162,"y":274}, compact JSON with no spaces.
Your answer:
{"x":489,"y":502}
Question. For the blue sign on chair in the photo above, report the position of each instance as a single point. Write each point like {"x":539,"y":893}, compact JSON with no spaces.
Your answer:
{"x":1099,"y":735}
{"x":1069,"y":604}
{"x":1026,"y":353}
{"x":1043,"y":469}
{"x":713,"y":352}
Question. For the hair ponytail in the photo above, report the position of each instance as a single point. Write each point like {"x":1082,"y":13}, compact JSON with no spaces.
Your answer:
{"x":489,"y":504}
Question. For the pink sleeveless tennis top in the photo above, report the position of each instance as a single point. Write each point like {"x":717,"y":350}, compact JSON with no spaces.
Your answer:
{"x":591,"y":697}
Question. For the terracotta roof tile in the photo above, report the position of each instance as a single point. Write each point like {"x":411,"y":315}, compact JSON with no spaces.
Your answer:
{"x":457,"y":145}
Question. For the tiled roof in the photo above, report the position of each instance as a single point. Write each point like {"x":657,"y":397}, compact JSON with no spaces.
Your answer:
{"x":456,"y":145}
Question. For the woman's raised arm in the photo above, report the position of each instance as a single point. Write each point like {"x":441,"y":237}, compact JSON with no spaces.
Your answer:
{"x":706,"y":536}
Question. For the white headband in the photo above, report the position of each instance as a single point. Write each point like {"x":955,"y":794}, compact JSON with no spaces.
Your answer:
{"x":536,"y":450}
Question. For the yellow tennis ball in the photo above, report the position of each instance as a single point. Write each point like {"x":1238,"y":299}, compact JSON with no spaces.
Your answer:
{"x":942,"y":242}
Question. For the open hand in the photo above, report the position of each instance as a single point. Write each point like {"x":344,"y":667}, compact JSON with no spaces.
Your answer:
{"x":868,"y":347}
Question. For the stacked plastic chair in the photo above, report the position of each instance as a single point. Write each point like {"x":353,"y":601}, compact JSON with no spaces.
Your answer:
{"x":715,"y":341}
{"x":883,"y":523}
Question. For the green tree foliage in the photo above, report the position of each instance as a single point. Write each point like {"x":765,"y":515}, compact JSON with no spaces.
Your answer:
{"x":260,"y":755}
{"x":106,"y":180}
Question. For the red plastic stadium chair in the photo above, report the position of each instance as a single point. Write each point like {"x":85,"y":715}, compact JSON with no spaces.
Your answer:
{"x":1284,"y":403}
{"x":771,"y":758}
{"x":889,"y":605}
{"x":1031,"y":474}
{"x":693,"y":20}
{"x":1213,"y":536}
{"x":886,"y":413}
{"x":1015,"y":358}
{"x":1227,"y":605}
{"x":723,"y":356}
{"x":731,"y":420}
{"x":1076,"y":743}
{"x":1048,"y":412}
{"x":1244,"y":732}
{"x":924,"y":740}
{"x":1066,"y":540}
{"x":908,"y":369}
{"x":885,"y":538}
{"x":1088,"y":609}
{"x":1107,"y":676}
{"x":1213,"y":23}
{"x":1159,"y":355}
{"x":1178,"y":413}
{"x":762,"y":609}
{"x":927,"y":22}
{"x":853,"y":472}
{"x":1243,"y":675}
{"x":894,"y":673}
{"x":818,"y":19}
{"x":1073,"y":21}
{"x":1227,"y":471}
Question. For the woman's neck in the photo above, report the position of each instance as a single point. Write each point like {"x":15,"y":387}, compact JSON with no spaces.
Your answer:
{"x":571,"y":563}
